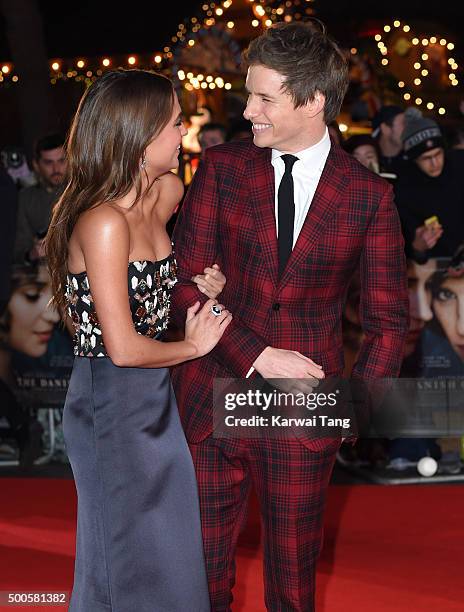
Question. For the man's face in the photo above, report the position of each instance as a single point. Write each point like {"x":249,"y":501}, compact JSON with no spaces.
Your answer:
{"x":367,"y":156}
{"x":210,"y":138}
{"x":276,"y":122}
{"x":394,"y":131}
{"x":51,"y":167}
{"x":432,"y":162}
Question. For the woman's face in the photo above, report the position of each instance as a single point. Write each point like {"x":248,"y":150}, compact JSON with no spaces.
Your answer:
{"x":31,"y":319}
{"x":162,"y":154}
{"x":420,"y":301}
{"x":448,"y":304}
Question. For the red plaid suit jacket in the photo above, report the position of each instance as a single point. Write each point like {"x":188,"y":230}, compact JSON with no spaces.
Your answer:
{"x":228,"y":218}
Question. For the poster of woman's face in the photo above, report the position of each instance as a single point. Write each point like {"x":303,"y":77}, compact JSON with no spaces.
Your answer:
{"x":448,"y":306}
{"x":29,"y":319}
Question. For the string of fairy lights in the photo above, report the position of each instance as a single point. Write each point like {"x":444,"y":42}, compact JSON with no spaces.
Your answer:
{"x":263,"y":13}
{"x":411,"y":92}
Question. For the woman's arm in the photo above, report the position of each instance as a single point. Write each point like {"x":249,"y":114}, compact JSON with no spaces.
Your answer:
{"x":103,"y":236}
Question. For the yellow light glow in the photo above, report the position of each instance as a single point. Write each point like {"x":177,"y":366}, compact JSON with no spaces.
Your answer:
{"x":227,"y":3}
{"x":425,"y":57}
{"x":407,"y":96}
{"x":353,"y":51}
{"x":106,"y":61}
{"x":380,"y":45}
{"x":397,"y":23}
{"x":80,"y":64}
{"x":191,"y":42}
{"x":212,"y":85}
{"x":454,"y":66}
{"x":441,"y":111}
{"x":260,"y":10}
{"x":384,"y":61}
{"x":188,"y":87}
{"x":131,"y":60}
{"x":181,"y":75}
{"x":228,"y":86}
{"x":204,"y":85}
{"x":209,"y":79}
{"x":417,"y":65}
{"x":450,"y":46}
{"x":454,"y":83}
{"x":219,"y":81}
{"x":433,"y":40}
{"x":280,"y":11}
{"x":424,"y":72}
{"x":425,"y":42}
{"x":415,"y":41}
{"x":430,"y":105}
{"x":452,"y":76}
{"x":268,"y":23}
{"x":343,"y":127}
{"x":255,"y":23}
{"x":55,"y":66}
{"x":189,"y":75}
{"x":6,"y":69}
{"x":158,"y":59}
{"x":451,"y":60}
{"x":386,"y":28}
{"x":377,"y":36}
{"x":219,"y":12}
{"x":384,"y":51}
{"x":401,"y":84}
{"x":406,"y":28}
{"x":200,"y":77}
{"x":15,"y":78}
{"x":442,"y":42}
{"x":418,"y":101}
{"x":417,"y":81}
{"x":230,"y":24}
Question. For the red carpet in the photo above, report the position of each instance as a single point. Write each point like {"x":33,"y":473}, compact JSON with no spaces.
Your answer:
{"x":386,"y":548}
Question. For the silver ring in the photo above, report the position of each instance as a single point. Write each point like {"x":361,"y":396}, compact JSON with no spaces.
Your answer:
{"x":216,"y":310}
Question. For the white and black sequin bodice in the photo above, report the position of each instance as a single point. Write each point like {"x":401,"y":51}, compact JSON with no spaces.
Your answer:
{"x":149,"y":284}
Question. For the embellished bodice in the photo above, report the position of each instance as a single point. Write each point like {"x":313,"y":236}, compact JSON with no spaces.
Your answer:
{"x":149,"y":284}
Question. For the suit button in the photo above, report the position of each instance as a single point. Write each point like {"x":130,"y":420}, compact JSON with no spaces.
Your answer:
{"x":276,"y":306}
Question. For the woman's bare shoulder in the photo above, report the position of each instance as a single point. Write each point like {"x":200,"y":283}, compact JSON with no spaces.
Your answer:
{"x":103,"y":222}
{"x":171,"y":190}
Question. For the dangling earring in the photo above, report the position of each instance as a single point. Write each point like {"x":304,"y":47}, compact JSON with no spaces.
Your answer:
{"x":144,"y":162}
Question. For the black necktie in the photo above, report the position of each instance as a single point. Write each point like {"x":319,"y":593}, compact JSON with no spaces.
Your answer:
{"x":286,"y":212}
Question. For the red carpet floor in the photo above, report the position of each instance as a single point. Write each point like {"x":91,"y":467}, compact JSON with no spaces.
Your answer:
{"x":386,"y":548}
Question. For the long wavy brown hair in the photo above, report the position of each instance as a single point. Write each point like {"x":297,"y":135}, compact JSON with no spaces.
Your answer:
{"x":117,"y":117}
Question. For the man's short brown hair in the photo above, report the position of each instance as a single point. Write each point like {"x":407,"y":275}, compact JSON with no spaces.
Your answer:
{"x":309,"y":60}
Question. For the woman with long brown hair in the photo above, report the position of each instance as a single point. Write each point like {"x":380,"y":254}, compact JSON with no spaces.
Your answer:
{"x":138,"y":538}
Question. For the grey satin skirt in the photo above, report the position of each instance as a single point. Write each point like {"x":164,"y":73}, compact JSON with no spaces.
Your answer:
{"x":139,"y":546}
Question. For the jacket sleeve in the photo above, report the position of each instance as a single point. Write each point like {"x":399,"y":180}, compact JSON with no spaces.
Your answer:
{"x":196,"y":241}
{"x":384,"y":306}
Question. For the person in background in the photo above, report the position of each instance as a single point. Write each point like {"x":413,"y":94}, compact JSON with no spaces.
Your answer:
{"x":239,"y":130}
{"x":210,"y":135}
{"x":387,"y":128}
{"x":364,"y":148}
{"x":36,"y":202}
{"x":429,"y":193}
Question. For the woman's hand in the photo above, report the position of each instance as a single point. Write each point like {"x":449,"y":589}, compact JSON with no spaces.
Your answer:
{"x":204,"y":329}
{"x":211,"y":282}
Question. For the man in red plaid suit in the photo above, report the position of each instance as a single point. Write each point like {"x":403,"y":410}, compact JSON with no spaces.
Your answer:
{"x":289,"y":217}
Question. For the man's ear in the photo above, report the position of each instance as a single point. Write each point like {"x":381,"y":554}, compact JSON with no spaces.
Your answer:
{"x":316,"y":105}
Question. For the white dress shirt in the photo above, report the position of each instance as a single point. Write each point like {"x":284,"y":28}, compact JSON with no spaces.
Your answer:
{"x":306,"y":174}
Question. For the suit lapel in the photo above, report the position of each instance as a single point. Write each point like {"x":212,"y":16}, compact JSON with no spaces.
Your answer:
{"x":328,"y":196}
{"x":262,"y":200}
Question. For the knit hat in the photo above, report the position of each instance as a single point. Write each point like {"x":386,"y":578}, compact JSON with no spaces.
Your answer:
{"x":420,"y":135}
{"x":385,"y":115}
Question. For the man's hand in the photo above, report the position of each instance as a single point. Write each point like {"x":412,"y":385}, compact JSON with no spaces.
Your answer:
{"x":426,"y":237}
{"x":280,"y":363}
